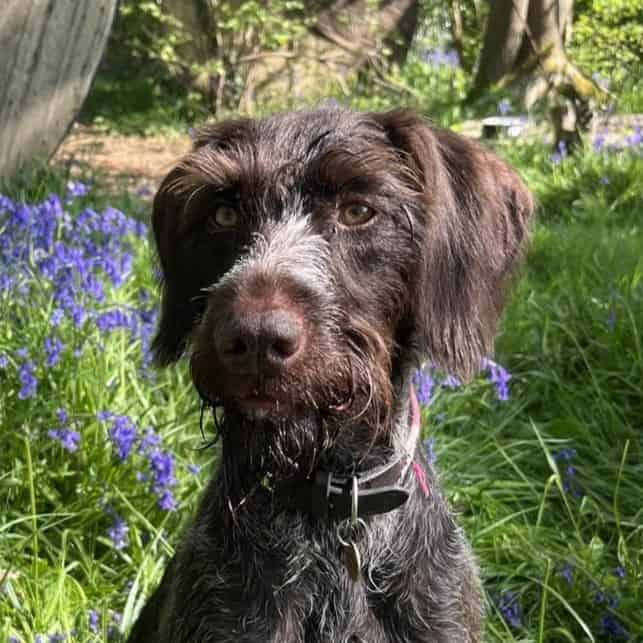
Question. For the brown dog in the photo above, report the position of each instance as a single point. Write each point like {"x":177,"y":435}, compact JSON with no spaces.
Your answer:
{"x":311,"y":261}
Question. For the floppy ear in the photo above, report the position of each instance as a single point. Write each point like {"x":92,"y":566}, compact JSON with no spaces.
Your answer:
{"x":185,"y":271}
{"x":475,"y":222}
{"x":178,"y":308}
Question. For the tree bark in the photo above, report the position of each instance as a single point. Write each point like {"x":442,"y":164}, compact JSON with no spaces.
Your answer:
{"x":49,"y":52}
{"x":502,"y":42}
{"x":527,"y":38}
{"x":344,"y":37}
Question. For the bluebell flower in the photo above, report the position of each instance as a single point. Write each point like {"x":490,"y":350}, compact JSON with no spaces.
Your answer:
{"x":149,"y":440}
{"x":194,"y":469}
{"x":56,"y":316}
{"x":166,"y":500}
{"x":4,"y":361}
{"x":117,"y":533}
{"x":619,"y":572}
{"x":424,"y":383}
{"x":76,"y":189}
{"x":510,"y":609}
{"x":451,"y":381}
{"x":504,"y":106}
{"x":438,"y":58}
{"x":144,"y":191}
{"x":499,"y":377}
{"x":123,"y":434}
{"x":560,"y":153}
{"x":92,"y":620}
{"x":635,"y":139}
{"x":567,"y":573}
{"x":53,"y":348}
{"x":162,"y":468}
{"x":68,"y":438}
{"x":611,"y":626}
{"x":28,"y":381}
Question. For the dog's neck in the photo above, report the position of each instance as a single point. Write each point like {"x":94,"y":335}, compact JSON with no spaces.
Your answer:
{"x":300,"y":450}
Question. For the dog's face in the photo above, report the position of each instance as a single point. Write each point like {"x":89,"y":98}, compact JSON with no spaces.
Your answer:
{"x":308,"y":259}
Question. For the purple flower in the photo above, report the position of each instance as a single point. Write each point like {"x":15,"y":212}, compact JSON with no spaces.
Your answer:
{"x":611,"y":626}
{"x":424,"y":383}
{"x":4,"y":361}
{"x":122,"y":433}
{"x":56,"y":316}
{"x":451,"y":381}
{"x":619,"y":572}
{"x":194,"y":469}
{"x":115,"y":319}
{"x":564,"y":454}
{"x":567,"y":573}
{"x":560,"y":153}
{"x":635,"y":139}
{"x":568,"y":477}
{"x":68,"y":439}
{"x":92,"y":620}
{"x":144,"y":191}
{"x":76,"y":189}
{"x":29,"y":384}
{"x":53,"y":347}
{"x":117,"y":533}
{"x":150,"y":440}
{"x":499,"y":377}
{"x":438,"y":58}
{"x":162,"y":468}
{"x":166,"y":501}
{"x":509,"y":607}
{"x":504,"y":106}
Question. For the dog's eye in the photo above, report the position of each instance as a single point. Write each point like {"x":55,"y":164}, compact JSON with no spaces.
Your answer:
{"x":225,"y":216}
{"x":356,"y":214}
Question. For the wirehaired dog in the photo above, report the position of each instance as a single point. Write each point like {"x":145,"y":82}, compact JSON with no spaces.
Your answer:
{"x":310,"y":262}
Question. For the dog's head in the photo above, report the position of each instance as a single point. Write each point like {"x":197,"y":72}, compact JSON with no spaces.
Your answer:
{"x":310,"y":259}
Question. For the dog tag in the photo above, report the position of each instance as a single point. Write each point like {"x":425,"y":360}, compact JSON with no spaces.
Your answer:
{"x":352,"y":560}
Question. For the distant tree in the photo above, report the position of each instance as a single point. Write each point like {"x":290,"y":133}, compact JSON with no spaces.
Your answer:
{"x":246,"y":50}
{"x":527,"y":38}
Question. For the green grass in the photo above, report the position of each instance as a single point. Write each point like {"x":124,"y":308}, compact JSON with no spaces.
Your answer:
{"x":571,"y":337}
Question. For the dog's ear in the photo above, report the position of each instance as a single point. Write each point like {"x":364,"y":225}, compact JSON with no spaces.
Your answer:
{"x":475,"y":222}
{"x":177,"y":308}
{"x":186,"y":190}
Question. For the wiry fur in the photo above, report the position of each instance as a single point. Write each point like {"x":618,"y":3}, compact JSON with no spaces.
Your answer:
{"x":423,"y":278}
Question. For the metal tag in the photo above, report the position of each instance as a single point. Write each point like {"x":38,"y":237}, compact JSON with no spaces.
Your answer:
{"x":353,"y":561}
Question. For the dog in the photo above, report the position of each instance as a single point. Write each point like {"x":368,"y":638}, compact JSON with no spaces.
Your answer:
{"x":310,"y":262}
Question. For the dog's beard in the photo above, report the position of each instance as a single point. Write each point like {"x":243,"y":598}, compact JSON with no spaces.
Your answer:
{"x":262,"y":451}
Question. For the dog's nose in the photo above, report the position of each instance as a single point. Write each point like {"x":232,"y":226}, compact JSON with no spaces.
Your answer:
{"x":260,"y":341}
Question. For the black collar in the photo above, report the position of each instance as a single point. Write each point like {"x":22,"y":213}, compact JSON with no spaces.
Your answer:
{"x":330,"y":497}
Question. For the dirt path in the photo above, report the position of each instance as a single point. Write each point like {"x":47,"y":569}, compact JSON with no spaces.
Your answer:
{"x":136,"y":162}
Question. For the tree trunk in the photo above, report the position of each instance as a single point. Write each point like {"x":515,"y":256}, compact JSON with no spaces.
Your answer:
{"x":503,"y":39}
{"x":49,"y":52}
{"x":527,"y":38}
{"x":344,"y":36}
